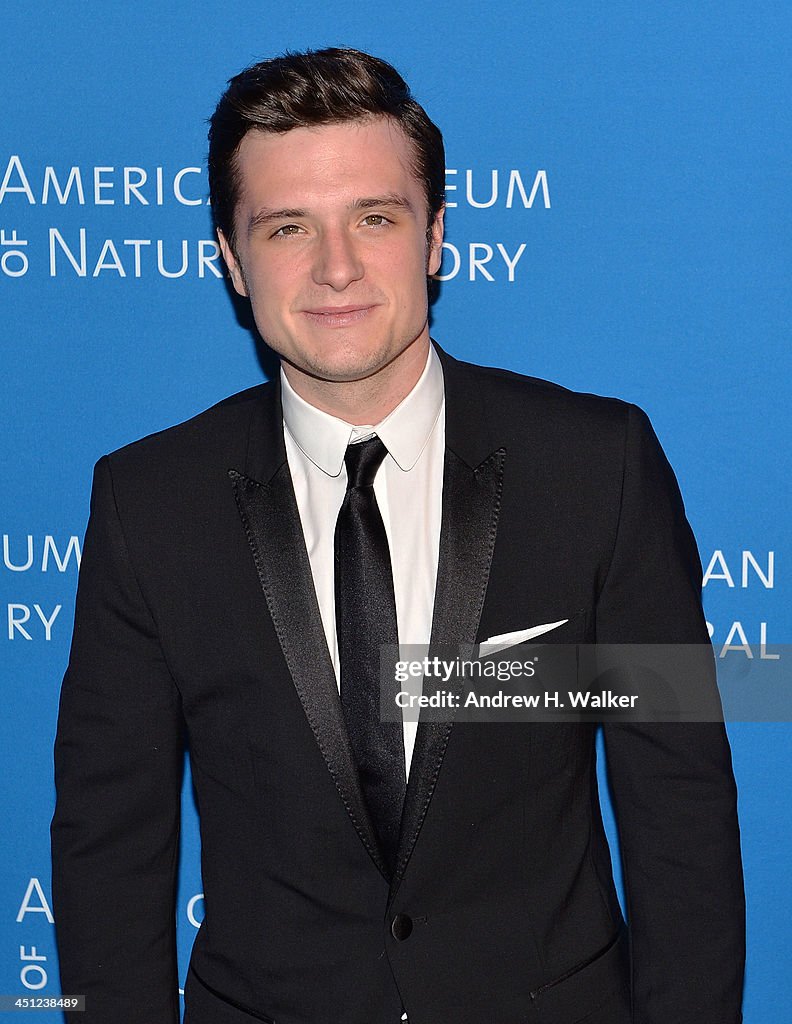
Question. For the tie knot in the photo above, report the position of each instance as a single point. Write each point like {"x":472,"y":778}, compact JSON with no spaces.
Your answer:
{"x":363,"y":460}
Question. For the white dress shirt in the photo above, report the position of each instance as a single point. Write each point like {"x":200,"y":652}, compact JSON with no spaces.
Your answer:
{"x":408,"y":488}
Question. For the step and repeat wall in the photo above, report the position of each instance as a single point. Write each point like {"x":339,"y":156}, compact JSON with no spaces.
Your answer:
{"x":618,"y":221}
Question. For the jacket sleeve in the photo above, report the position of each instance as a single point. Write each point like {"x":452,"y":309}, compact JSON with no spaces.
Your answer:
{"x":672,"y":783}
{"x":118,"y":770}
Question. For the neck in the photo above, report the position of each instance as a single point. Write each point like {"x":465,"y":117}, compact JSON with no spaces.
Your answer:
{"x":366,"y":401}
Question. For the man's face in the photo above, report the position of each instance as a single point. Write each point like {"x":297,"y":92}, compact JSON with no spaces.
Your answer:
{"x":332,"y":247}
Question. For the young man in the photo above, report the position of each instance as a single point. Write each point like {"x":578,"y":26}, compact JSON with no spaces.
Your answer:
{"x":240,"y":572}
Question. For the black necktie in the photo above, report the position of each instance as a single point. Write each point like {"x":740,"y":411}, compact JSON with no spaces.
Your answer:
{"x":365,"y":618}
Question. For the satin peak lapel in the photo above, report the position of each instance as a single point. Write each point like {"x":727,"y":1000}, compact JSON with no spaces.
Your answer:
{"x":272,"y":523}
{"x":471,"y":504}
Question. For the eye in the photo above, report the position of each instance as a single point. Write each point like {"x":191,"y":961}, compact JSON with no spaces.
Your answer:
{"x":286,"y":230}
{"x":375,"y":220}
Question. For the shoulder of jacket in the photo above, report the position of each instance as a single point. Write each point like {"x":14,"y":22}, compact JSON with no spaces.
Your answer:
{"x":514,"y":393}
{"x":222,"y":428}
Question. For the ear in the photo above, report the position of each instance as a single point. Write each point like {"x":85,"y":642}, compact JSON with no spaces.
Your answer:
{"x":435,"y":243}
{"x":234,"y":269}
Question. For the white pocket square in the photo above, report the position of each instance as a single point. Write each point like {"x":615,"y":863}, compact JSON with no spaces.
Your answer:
{"x":504,"y":640}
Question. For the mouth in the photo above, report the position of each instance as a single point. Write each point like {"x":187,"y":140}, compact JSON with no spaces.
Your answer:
{"x":337,"y":316}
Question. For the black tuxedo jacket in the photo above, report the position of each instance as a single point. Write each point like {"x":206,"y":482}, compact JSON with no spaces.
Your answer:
{"x":196,"y":614}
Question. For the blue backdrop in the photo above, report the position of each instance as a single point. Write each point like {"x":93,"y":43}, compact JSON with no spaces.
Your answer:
{"x":619,"y":222}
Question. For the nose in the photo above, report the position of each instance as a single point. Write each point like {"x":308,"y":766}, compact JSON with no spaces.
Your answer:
{"x":337,"y":261}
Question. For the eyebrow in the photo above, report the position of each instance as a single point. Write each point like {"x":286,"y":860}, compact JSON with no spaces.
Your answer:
{"x":389,"y":199}
{"x":267,"y":216}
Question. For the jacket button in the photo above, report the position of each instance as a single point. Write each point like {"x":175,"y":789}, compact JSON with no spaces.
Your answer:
{"x":401,"y":926}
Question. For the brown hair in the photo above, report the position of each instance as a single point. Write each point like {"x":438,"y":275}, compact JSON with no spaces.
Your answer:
{"x":314,"y":88}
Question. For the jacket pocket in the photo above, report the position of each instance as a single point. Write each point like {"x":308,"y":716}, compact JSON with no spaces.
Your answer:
{"x":205,"y":1005}
{"x":584,"y":988}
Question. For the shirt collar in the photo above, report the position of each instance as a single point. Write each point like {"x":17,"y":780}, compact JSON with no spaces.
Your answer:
{"x":323,"y":438}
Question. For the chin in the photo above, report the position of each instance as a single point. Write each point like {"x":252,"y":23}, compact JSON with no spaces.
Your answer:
{"x":340,"y":371}
{"x":349,"y":364}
